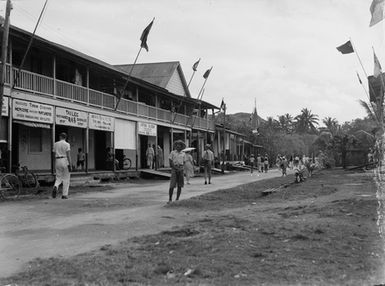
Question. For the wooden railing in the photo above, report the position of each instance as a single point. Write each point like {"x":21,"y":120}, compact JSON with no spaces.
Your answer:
{"x":36,"y":83}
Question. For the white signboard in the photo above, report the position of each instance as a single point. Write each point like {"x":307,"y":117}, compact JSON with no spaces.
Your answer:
{"x":70,"y":117}
{"x":5,"y":107}
{"x":101,"y":122}
{"x":32,"y":111}
{"x":147,"y":129}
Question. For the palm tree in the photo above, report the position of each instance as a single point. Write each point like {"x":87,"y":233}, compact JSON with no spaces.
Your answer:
{"x":306,"y":121}
{"x":285,"y":122}
{"x":374,"y":113}
{"x":332,"y":125}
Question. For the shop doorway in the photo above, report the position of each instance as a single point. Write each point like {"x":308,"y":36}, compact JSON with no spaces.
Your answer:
{"x":143,"y":148}
{"x":100,"y":150}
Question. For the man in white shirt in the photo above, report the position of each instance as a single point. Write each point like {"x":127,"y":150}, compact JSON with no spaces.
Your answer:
{"x":61,"y":152}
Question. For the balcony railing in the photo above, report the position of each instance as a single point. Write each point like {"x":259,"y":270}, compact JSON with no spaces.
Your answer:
{"x":36,"y":83}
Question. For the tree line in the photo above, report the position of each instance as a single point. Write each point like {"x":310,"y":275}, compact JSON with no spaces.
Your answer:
{"x":338,"y":144}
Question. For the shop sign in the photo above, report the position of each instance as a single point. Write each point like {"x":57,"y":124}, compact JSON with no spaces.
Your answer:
{"x":5,"y":107}
{"x":70,"y":117}
{"x":32,"y":111}
{"x":101,"y":122}
{"x":147,"y":129}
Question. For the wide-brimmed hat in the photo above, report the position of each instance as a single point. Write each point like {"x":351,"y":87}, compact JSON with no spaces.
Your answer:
{"x":180,"y":142}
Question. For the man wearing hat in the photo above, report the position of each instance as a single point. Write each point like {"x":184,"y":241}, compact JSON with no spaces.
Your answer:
{"x":207,"y":159}
{"x":177,"y":160}
{"x":61,"y":150}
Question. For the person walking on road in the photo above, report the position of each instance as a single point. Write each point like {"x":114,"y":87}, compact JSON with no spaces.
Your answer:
{"x":189,"y":167}
{"x":266,"y":163}
{"x":207,"y":159}
{"x":251,"y":162}
{"x":259,"y":163}
{"x":61,"y":150}
{"x":160,"y":157}
{"x":150,"y":153}
{"x":284,"y":165}
{"x":177,"y":160}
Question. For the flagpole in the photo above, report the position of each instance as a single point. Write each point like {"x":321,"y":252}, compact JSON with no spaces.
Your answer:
{"x":201,"y":89}
{"x":199,"y":97}
{"x":4,"y":50}
{"x":128,"y":79}
{"x":173,"y":120}
{"x":382,"y":95}
{"x":192,"y":76}
{"x":368,"y":96}
{"x":29,"y":46}
{"x":199,"y":94}
{"x":367,"y":77}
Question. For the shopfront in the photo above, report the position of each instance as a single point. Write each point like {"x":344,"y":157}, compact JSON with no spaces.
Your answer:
{"x":125,"y":143}
{"x":74,"y":123}
{"x":4,"y":154}
{"x":31,"y":134}
{"x":147,"y":137}
{"x":101,"y":130}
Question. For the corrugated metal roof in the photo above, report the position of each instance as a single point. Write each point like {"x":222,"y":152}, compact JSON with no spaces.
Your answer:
{"x":46,"y":44}
{"x":156,"y":73}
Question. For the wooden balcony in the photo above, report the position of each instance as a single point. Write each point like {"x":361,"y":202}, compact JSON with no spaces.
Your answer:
{"x":36,"y":83}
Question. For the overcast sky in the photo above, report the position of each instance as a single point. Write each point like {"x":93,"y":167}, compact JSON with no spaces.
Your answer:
{"x":282,"y":53}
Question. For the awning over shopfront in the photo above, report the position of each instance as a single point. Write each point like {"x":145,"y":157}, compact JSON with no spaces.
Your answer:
{"x":32,"y":124}
{"x":125,"y":134}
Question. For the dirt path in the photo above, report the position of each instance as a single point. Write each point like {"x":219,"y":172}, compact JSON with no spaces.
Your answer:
{"x":45,"y":228}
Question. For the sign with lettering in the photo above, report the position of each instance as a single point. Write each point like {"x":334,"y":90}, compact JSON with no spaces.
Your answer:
{"x":70,"y":117}
{"x":147,"y":129}
{"x":32,"y":111}
{"x":5,"y":107}
{"x":101,"y":122}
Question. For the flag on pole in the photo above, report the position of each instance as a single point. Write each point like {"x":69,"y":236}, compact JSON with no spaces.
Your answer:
{"x":359,"y":79}
{"x":346,"y":48}
{"x":144,"y":35}
{"x":195,"y":66}
{"x":377,"y":66}
{"x":377,"y":11}
{"x":222,"y":107}
{"x":207,"y":73}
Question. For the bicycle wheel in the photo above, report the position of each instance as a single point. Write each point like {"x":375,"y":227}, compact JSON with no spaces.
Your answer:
{"x":9,"y":186}
{"x":126,"y":163}
{"x":31,"y":180}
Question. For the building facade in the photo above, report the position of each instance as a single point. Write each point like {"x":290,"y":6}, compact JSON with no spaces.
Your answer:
{"x":59,"y":90}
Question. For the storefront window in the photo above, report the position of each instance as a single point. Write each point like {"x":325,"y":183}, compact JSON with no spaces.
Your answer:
{"x":35,"y":140}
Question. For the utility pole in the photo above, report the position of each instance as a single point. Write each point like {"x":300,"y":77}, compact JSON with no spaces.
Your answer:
{"x":4,"y":50}
{"x":224,"y":139}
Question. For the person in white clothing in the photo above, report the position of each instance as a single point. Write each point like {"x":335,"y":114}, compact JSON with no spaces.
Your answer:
{"x":61,"y":152}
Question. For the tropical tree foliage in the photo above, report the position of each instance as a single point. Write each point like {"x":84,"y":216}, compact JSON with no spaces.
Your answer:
{"x":301,"y":135}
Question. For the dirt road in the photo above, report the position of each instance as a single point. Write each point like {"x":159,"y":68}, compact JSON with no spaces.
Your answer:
{"x":45,"y":228}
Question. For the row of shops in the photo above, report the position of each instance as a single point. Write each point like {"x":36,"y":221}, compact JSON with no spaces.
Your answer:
{"x":29,"y":130}
{"x":104,"y":111}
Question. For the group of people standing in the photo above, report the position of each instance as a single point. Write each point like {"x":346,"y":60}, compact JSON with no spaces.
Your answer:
{"x":182,"y":164}
{"x":261,"y":163}
{"x":154,"y":157}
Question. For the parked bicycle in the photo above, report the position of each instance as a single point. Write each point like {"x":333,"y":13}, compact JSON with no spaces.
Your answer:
{"x":126,"y":163}
{"x":12,"y":184}
{"x":27,"y":178}
{"x":9,"y":185}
